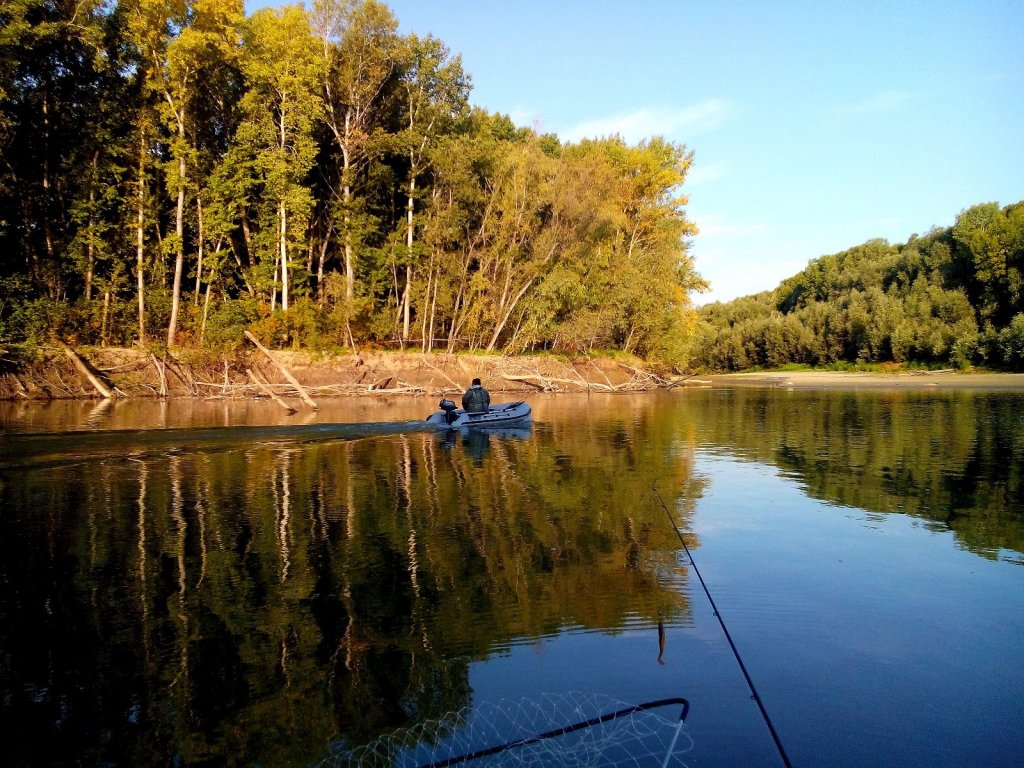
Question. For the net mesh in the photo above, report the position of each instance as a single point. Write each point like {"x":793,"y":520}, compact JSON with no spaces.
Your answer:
{"x":570,"y":729}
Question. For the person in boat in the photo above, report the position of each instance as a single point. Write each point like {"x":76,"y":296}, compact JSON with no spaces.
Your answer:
{"x":476,"y":399}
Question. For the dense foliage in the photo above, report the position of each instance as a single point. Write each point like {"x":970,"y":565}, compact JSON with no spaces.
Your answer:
{"x":952,"y":297}
{"x":172,"y":170}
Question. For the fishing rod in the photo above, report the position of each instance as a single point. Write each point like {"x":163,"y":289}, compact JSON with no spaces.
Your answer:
{"x":735,"y":652}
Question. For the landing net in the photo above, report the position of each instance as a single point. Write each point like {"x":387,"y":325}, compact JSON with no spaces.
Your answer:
{"x":560,"y":730}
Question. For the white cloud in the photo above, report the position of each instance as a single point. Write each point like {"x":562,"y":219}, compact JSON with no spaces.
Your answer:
{"x":676,"y":123}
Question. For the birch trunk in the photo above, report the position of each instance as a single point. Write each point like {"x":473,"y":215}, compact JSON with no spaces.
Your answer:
{"x":179,"y":231}
{"x":199,"y":254}
{"x":408,"y":246}
{"x":90,"y":249}
{"x":283,"y":245}
{"x":140,"y":237}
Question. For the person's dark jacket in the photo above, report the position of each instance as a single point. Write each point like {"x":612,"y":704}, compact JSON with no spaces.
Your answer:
{"x":476,"y":399}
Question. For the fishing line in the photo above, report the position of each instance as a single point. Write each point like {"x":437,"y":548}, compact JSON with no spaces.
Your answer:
{"x":732,"y":645}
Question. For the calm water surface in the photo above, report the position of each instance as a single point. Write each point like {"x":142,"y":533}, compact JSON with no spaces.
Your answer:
{"x":219,"y":584}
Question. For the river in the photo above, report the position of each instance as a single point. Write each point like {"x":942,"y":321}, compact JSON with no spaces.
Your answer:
{"x":218,"y":583}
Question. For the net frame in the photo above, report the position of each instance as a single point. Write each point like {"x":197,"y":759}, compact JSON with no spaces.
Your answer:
{"x":594,"y":730}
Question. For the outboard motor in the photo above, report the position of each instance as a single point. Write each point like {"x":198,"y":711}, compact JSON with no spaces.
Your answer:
{"x":449,"y":411}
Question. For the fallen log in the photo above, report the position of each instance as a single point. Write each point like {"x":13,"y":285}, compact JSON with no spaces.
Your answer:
{"x":544,"y":385}
{"x":550,"y":383}
{"x":603,"y":374}
{"x":269,"y":392}
{"x":284,"y":371}
{"x":435,"y":368}
{"x":20,"y":388}
{"x":84,"y":370}
{"x":643,"y":373}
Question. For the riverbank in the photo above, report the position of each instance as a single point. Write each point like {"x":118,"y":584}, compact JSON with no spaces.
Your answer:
{"x":872,"y":380}
{"x":57,"y":373}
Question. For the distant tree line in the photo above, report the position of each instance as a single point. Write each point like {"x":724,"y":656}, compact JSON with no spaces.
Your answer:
{"x":954,"y":297}
{"x":174,"y":172}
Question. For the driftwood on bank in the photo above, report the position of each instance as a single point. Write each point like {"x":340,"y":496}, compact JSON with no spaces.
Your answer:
{"x":550,"y":383}
{"x":268,"y":391}
{"x":161,"y":373}
{"x":84,"y":370}
{"x":55,"y":373}
{"x":284,"y":371}
{"x":182,"y":372}
{"x":641,"y":381}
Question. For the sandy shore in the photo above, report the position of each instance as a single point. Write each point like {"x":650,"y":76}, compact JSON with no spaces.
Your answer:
{"x":856,"y":380}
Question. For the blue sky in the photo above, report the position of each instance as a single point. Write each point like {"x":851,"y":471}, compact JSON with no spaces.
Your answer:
{"x":815,"y":125}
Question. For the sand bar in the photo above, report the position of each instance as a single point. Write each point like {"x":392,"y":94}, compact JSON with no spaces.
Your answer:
{"x":870,"y":380}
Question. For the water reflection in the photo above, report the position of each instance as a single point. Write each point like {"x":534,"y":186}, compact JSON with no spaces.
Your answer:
{"x":251,"y":602}
{"x":953,"y":459}
{"x":243,"y":596}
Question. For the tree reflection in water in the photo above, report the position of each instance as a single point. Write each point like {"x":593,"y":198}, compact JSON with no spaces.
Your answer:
{"x":252,"y":603}
{"x":254,"y":597}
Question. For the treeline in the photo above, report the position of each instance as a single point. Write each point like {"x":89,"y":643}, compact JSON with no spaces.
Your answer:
{"x":174,"y":172}
{"x":954,"y":297}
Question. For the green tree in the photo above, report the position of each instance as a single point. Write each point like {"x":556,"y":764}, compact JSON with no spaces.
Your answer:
{"x":433,"y":90}
{"x":280,"y":112}
{"x":360,"y":51}
{"x":990,"y":242}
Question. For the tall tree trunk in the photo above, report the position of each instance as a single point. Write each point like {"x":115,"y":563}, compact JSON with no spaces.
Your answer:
{"x":247,"y":236}
{"x":199,"y":254}
{"x":179,"y":231}
{"x":282,"y":241}
{"x":321,"y":293}
{"x":425,"y":346}
{"x":346,"y":197}
{"x":433,"y":315}
{"x":47,"y":223}
{"x":106,"y":318}
{"x":407,"y":296}
{"x":140,"y":237}
{"x":273,"y":290}
{"x":206,"y":312}
{"x":90,"y":248}
{"x":508,"y":313}
{"x":241,"y":268}
{"x":283,"y":245}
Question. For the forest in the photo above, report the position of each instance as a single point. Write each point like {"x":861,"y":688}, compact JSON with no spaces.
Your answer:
{"x":952,"y":297}
{"x":174,"y":173}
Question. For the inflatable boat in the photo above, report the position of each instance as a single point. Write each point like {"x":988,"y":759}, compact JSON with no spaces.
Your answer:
{"x":501,"y":415}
